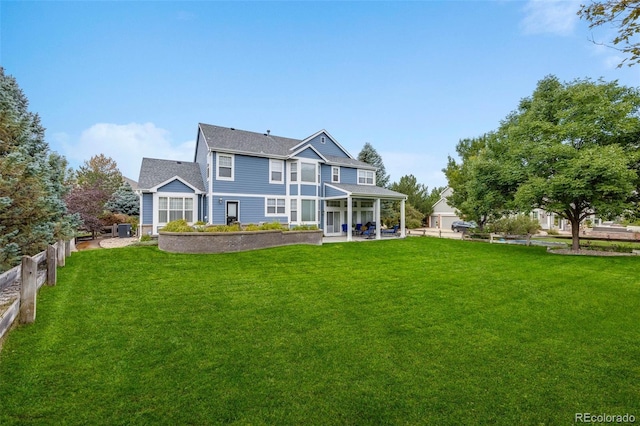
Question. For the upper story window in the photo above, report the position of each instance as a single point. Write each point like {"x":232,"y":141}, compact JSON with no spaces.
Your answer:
{"x":323,"y":140}
{"x":276,"y":171}
{"x":335,"y":174}
{"x":366,"y":177}
{"x":224,"y":166}
{"x":308,"y":172}
{"x":293,"y":167}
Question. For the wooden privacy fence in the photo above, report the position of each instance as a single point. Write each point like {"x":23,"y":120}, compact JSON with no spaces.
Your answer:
{"x":29,"y":276}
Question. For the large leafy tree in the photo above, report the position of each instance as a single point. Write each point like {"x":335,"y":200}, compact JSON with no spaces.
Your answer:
{"x":369,"y":155}
{"x":32,"y":211}
{"x":418,"y":194}
{"x":483,"y":185}
{"x":574,"y":149}
{"x":623,"y":16}
{"x":102,"y":172}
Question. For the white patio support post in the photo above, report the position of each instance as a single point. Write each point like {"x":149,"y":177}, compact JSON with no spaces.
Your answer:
{"x":403,"y":233}
{"x":349,"y":216}
{"x":377,"y":218}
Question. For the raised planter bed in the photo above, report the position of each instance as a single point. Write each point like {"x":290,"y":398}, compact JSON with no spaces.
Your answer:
{"x":225,"y":242}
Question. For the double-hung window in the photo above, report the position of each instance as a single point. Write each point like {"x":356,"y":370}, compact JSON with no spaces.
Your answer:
{"x":224,"y":167}
{"x":275,"y":206}
{"x":293,"y":167}
{"x":366,"y":177}
{"x":308,"y":172}
{"x":335,"y":174}
{"x":276,"y":171}
{"x":294,"y":210}
{"x":174,"y":208}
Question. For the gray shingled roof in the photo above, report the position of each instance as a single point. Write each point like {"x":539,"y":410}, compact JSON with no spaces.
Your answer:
{"x":154,"y":172}
{"x":368,"y":191}
{"x":253,"y":143}
{"x":241,"y":141}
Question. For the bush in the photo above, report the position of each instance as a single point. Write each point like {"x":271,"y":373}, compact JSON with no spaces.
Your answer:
{"x":145,"y":238}
{"x":223,"y":228}
{"x":518,"y":225}
{"x":179,"y":225}
{"x":305,"y":228}
{"x":552,"y":232}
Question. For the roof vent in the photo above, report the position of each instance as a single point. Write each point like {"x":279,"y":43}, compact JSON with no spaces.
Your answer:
{"x":268,"y":132}
{"x":179,"y":162}
{"x":232,"y":128}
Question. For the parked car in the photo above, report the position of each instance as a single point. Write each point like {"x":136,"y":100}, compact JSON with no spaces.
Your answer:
{"x":460,"y":225}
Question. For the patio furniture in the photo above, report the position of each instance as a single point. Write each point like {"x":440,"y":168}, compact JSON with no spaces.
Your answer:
{"x":370,"y":232}
{"x":391,"y":232}
{"x":344,"y":228}
{"x":358,"y":229}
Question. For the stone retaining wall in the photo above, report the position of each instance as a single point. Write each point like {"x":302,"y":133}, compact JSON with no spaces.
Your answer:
{"x":224,"y":242}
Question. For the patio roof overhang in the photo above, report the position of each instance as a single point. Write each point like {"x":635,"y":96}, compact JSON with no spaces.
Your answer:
{"x":336,"y":191}
{"x":342,"y":190}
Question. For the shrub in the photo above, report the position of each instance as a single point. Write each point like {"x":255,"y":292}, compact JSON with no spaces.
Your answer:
{"x":275,"y":226}
{"x":305,"y":228}
{"x":518,"y":225}
{"x":179,"y":225}
{"x":223,"y":228}
{"x":145,"y":238}
{"x":552,"y":232}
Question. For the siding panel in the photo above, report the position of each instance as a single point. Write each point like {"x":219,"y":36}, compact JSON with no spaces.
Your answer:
{"x":147,"y":209}
{"x":327,"y":148}
{"x":176,"y":186}
{"x":251,"y":176}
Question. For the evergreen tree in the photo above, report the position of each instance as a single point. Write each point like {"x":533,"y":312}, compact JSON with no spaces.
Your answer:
{"x":32,"y":211}
{"x":124,"y":201}
{"x":369,"y":155}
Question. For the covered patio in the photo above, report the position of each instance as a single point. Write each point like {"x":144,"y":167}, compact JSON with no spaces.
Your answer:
{"x":357,"y":204}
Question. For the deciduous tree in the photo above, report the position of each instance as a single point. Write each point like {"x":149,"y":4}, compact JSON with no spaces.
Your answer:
{"x":623,"y":16}
{"x":574,"y":147}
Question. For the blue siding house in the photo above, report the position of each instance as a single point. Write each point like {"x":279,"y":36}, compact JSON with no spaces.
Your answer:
{"x":252,"y":177}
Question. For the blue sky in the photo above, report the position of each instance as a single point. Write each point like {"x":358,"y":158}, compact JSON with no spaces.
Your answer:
{"x":133,"y":79}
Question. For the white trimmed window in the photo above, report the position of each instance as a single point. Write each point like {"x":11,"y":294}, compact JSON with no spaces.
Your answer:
{"x":294,"y":172}
{"x":174,"y":208}
{"x":308,"y":172}
{"x":366,"y":177}
{"x":308,"y":210}
{"x":276,"y":171}
{"x":335,"y":174}
{"x":275,"y":206}
{"x":224,"y":166}
{"x":294,"y":210}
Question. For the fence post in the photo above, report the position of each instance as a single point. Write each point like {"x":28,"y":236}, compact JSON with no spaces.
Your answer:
{"x":67,"y":248}
{"x":61,"y":254}
{"x":28,"y":290}
{"x":52,"y":263}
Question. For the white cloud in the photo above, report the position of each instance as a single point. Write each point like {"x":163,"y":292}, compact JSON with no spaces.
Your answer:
{"x":426,"y":168}
{"x":550,"y":17}
{"x":126,"y":144}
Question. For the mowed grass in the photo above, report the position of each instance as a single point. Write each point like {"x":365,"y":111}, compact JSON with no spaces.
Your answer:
{"x":415,"y":331}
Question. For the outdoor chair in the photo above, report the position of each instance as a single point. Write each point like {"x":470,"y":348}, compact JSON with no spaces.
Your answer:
{"x":392,"y":231}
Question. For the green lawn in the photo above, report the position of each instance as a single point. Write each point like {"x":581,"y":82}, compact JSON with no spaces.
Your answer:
{"x":415,"y":331}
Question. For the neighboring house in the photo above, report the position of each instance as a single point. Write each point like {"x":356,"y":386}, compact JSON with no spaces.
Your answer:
{"x":253,"y":177}
{"x":444,"y":215}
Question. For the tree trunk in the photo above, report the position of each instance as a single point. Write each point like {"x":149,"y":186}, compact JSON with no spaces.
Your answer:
{"x":575,"y":234}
